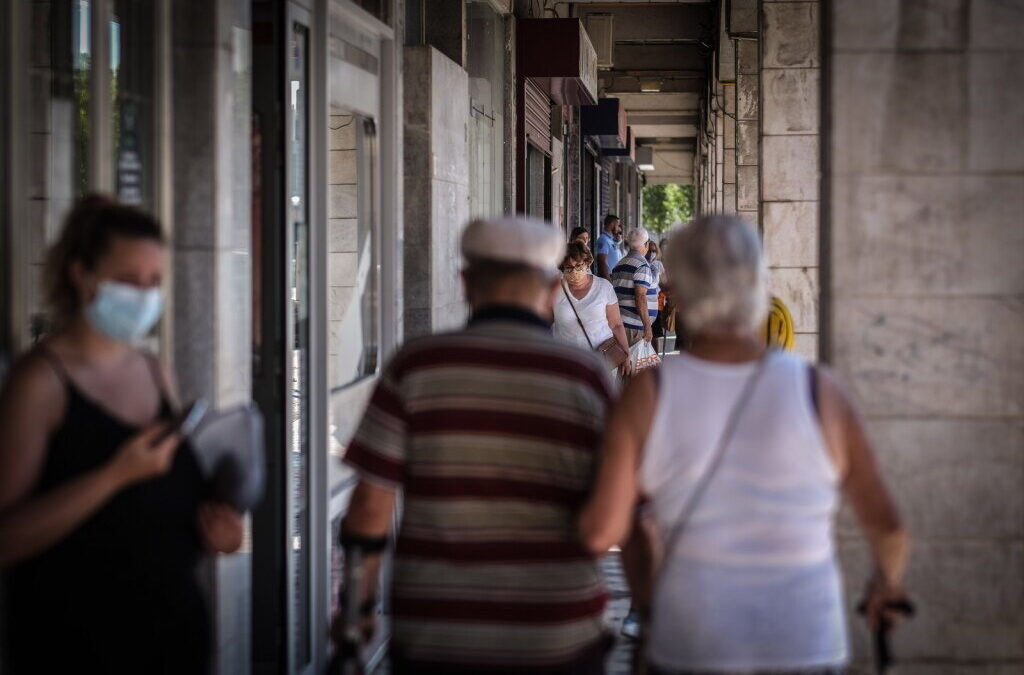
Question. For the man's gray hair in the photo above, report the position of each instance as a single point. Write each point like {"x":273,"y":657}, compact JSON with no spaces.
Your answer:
{"x":718,"y":275}
{"x":637,"y":237}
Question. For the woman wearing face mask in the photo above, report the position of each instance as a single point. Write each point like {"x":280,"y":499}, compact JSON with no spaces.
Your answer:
{"x":102,"y":518}
{"x":593,"y":304}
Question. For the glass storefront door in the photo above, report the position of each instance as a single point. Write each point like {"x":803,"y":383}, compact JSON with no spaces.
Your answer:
{"x":300,"y":539}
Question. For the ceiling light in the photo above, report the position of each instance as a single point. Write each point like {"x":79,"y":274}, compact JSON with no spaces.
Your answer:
{"x":645,"y":158}
{"x":650,"y":86}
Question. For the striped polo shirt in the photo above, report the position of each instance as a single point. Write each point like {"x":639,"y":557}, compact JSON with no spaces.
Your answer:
{"x":492,"y":434}
{"x":634,"y":270}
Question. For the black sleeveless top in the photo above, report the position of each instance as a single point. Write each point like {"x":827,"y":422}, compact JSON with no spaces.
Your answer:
{"x":119,"y":594}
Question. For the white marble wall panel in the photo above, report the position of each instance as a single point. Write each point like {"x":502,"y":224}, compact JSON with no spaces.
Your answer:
{"x":790,"y":34}
{"x":996,"y":111}
{"x":950,"y":235}
{"x":930,"y":460}
{"x":995,"y":24}
{"x":791,"y":99}
{"x":806,"y":345}
{"x":790,"y":171}
{"x":437,"y":195}
{"x":798,"y":288}
{"x":791,"y":233}
{"x":342,"y":234}
{"x":932,"y":355}
{"x":885,"y":25}
{"x":789,"y":152}
{"x":886,"y":130}
{"x":746,"y":189}
{"x":974,"y":617}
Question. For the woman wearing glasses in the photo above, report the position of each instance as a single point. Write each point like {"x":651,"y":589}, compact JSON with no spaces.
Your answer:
{"x":587,"y":310}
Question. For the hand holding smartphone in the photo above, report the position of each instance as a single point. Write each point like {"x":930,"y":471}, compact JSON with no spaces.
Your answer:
{"x":186,"y":421}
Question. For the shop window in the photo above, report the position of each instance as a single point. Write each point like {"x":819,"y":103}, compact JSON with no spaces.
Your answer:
{"x":64,"y":156}
{"x":538,"y":183}
{"x":298,"y":336}
{"x":378,"y":8}
{"x":485,"y":63}
{"x":132,"y":78}
{"x":354,"y":305}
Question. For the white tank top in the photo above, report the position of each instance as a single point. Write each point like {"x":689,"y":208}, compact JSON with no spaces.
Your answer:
{"x":752,"y":581}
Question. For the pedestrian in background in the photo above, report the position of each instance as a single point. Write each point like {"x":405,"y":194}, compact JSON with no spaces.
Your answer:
{"x":581,"y":235}
{"x":743,"y":455}
{"x":636,"y":286}
{"x":491,"y":434}
{"x":587,"y":310}
{"x":102,"y":514}
{"x":608,"y":249}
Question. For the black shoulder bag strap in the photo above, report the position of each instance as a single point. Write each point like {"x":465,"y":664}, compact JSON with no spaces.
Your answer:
{"x":716,"y":459}
{"x":578,"y":319}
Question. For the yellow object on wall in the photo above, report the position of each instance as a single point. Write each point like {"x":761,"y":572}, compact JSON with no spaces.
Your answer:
{"x":778,"y":329}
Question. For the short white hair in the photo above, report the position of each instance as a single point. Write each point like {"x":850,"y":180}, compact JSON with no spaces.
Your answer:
{"x":718,"y":275}
{"x":638,"y":237}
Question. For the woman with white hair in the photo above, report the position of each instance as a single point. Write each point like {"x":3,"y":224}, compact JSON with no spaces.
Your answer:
{"x":743,"y":455}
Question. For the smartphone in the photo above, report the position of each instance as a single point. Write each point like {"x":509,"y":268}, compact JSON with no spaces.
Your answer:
{"x":186,"y":421}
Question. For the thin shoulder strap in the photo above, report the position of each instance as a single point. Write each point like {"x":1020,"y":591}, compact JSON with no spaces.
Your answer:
{"x":55,"y":363}
{"x":716,"y":458}
{"x":158,"y":376}
{"x":812,"y":377}
{"x":578,"y":320}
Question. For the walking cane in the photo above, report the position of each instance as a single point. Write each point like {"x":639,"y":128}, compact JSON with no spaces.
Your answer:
{"x":883,"y":651}
{"x":347,"y":659}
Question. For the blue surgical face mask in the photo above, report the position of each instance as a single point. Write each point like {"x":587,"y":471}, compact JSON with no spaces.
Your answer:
{"x":124,"y":312}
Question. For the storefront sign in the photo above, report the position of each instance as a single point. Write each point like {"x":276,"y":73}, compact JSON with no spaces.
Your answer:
{"x":558,"y":56}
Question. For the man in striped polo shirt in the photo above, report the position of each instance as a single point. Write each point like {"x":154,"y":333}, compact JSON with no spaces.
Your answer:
{"x":491,"y":433}
{"x":636,"y":285}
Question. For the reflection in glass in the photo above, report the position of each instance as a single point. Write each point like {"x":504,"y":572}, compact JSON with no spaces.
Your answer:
{"x":132,"y":77}
{"x":298,"y":412}
{"x":353,"y":269}
{"x":57,"y":131}
{"x":354,"y":314}
{"x":485,"y":63}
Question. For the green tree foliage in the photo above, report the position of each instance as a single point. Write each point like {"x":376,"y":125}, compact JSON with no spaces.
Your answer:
{"x":665,"y":205}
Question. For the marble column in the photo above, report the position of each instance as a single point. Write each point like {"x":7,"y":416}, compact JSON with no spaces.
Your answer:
{"x":436,"y":189}
{"x":924,"y":211}
{"x":789,"y":96}
{"x":212,"y":339}
{"x":747,"y":141}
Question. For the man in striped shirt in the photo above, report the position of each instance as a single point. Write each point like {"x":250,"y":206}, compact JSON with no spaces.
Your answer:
{"x":636,"y":285}
{"x":491,"y":433}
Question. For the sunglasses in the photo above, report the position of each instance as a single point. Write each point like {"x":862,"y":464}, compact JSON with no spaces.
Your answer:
{"x":573,"y":268}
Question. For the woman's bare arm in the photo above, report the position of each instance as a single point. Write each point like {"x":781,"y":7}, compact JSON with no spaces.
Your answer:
{"x":31,"y":406}
{"x":607,"y":516}
{"x":615,"y":323}
{"x":865,"y":489}
{"x":221,"y":528}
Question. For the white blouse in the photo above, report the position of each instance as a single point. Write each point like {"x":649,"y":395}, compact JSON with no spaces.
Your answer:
{"x":593,"y":312}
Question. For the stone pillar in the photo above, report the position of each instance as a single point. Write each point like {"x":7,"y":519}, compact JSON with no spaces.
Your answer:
{"x":729,"y":145}
{"x":211,"y":82}
{"x":436,"y":189}
{"x":719,"y":117}
{"x":747,"y":141}
{"x":789,"y":92}
{"x":924,"y":215}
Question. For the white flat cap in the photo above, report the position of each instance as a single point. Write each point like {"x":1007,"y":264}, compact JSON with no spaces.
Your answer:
{"x":517,"y":240}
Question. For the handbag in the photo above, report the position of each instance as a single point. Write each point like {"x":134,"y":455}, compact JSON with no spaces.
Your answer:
{"x":610,"y":349}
